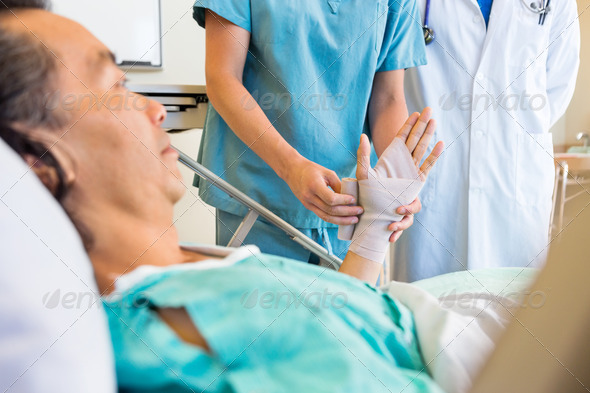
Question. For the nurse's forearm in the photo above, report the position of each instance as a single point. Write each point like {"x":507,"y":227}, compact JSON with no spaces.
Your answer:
{"x":316,"y":187}
{"x":227,"y":49}
{"x":364,"y":269}
{"x":385,"y":122}
{"x":247,"y":120}
{"x":387,"y":108}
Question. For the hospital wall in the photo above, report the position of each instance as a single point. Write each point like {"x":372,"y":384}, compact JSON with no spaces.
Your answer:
{"x":184,"y":63}
{"x":183,"y":46}
{"x":577,"y":117}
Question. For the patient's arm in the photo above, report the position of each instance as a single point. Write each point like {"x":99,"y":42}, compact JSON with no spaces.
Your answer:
{"x":181,"y":323}
{"x":362,"y":268}
{"x":415,"y":135}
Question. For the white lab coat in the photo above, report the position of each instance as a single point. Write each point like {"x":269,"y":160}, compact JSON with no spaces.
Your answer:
{"x":495,"y":95}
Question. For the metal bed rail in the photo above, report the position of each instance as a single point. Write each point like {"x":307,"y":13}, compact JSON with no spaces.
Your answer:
{"x":256,"y":210}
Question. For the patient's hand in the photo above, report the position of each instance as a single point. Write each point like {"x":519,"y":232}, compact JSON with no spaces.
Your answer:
{"x":416,"y":134}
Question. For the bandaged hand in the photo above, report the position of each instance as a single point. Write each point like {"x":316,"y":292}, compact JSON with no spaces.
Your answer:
{"x":395,"y":181}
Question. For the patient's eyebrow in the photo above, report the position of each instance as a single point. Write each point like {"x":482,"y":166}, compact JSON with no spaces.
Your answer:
{"x":103,"y":56}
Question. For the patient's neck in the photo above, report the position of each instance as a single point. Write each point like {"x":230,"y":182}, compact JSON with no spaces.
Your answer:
{"x":123,"y":242}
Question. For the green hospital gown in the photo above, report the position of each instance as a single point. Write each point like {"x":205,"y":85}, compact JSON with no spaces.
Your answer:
{"x":273,"y":325}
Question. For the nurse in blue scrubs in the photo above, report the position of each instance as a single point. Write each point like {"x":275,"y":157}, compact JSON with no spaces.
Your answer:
{"x":292,"y":85}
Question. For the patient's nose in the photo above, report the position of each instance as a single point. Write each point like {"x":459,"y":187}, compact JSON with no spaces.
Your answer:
{"x":156,"y":112}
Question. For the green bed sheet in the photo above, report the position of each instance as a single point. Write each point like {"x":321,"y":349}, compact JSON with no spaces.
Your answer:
{"x":495,"y":281}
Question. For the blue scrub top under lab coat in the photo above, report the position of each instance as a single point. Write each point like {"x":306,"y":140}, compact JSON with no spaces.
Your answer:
{"x":310,"y":66}
{"x":486,"y":8}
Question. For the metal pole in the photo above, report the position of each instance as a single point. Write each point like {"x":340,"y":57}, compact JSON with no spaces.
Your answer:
{"x":565,"y":171}
{"x":250,"y":203}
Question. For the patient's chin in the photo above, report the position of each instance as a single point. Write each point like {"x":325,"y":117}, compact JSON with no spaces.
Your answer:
{"x":177,"y":190}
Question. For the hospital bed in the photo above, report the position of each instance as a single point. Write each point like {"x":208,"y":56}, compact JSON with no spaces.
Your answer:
{"x":546,"y":349}
{"x":555,"y":353}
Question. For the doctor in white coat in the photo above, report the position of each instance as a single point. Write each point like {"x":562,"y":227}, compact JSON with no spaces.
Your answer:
{"x":495,"y":91}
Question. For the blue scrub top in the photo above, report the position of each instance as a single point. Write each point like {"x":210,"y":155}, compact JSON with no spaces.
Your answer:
{"x":486,"y":8}
{"x":310,"y":66}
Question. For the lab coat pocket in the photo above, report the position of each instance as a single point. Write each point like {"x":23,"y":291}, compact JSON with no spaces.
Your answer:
{"x":533,"y":39}
{"x":535,"y":171}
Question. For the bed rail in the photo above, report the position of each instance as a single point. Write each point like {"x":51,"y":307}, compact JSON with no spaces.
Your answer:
{"x":256,"y":210}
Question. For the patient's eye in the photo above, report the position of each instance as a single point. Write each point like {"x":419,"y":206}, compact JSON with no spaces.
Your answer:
{"x":122,"y":83}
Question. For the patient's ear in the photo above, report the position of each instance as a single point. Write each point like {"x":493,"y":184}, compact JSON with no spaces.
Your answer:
{"x":48,"y":175}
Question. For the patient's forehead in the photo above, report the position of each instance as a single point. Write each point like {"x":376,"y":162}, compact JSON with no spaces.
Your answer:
{"x":73,"y":46}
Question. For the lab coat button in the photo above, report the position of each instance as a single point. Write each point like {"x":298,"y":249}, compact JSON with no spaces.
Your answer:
{"x":479,"y":76}
{"x":476,"y":18}
{"x":479,"y":133}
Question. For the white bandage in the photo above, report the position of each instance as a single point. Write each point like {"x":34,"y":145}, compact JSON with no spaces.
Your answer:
{"x":394,"y":182}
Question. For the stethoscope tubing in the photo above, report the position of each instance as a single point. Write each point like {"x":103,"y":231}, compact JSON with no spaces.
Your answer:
{"x":542,"y":11}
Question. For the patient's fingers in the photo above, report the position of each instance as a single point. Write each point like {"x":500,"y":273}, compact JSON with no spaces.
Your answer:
{"x":424,"y":142}
{"x":413,"y":208}
{"x":431,"y":159}
{"x":402,"y":225}
{"x":418,"y":129}
{"x":399,"y":227}
{"x":363,"y":158}
{"x":395,"y":236}
{"x":407,"y":127}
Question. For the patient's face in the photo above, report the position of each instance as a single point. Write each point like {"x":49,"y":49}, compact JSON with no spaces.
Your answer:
{"x":117,"y":148}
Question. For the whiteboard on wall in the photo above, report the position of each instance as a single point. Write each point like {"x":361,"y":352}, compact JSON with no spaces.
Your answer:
{"x":130,"y":28}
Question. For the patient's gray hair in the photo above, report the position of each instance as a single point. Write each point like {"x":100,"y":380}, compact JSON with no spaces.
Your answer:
{"x":16,"y":4}
{"x":26,"y":71}
{"x":27,"y":75}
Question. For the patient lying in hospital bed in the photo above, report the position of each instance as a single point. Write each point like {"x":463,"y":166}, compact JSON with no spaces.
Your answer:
{"x":214,"y":319}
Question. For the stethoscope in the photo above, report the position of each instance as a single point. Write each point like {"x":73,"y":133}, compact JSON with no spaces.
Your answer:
{"x":540,"y":7}
{"x":428,"y":31}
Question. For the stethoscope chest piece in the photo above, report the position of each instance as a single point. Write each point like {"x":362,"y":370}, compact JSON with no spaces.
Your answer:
{"x":541,"y":8}
{"x":428,"y":35}
{"x":428,"y":31}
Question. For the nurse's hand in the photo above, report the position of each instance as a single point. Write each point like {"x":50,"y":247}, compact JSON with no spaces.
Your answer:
{"x":318,"y":188}
{"x":416,"y":135}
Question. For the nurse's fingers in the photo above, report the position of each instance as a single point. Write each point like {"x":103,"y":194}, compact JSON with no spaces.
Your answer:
{"x":407,"y":127}
{"x":424,"y":142}
{"x":431,"y":159}
{"x":418,"y":129}
{"x":363,"y":160}
{"x":333,"y":206}
{"x":339,"y":215}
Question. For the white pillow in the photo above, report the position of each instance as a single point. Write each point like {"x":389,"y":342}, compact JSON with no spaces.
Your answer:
{"x":53,"y":330}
